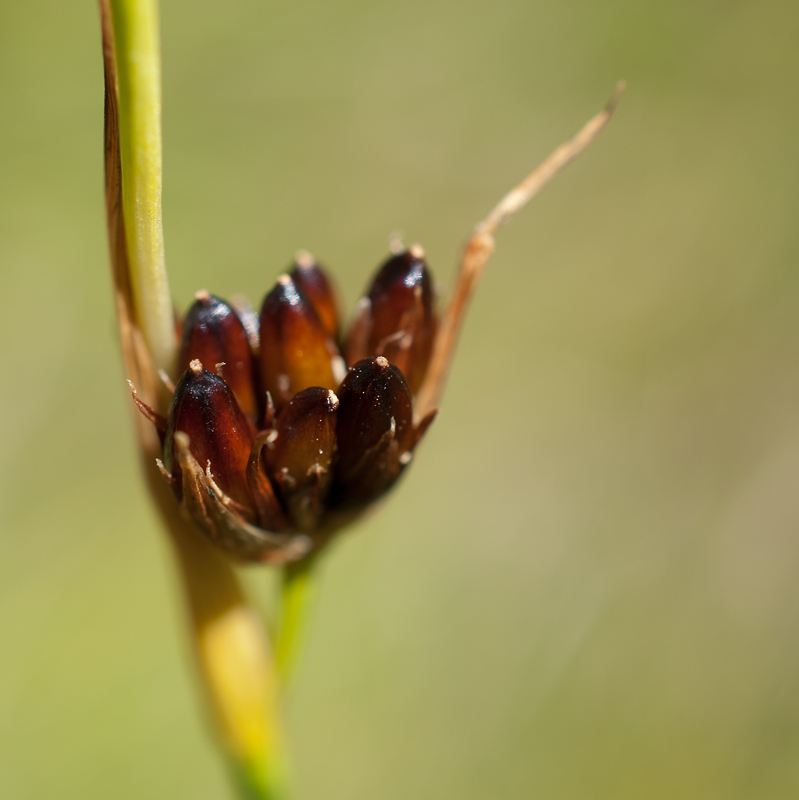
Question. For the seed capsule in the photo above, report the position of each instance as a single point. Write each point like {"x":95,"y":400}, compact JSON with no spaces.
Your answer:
{"x":295,"y":350}
{"x":214,"y":334}
{"x":314,"y":282}
{"x":300,"y":454}
{"x":204,"y":409}
{"x":274,"y":478}
{"x":375,"y":432}
{"x":398,"y":321}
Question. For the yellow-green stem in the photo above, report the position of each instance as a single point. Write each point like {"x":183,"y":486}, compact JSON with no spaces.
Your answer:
{"x":138,"y":58}
{"x":236,"y":668}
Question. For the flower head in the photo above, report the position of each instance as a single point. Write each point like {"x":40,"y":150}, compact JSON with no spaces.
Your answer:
{"x":280,"y":430}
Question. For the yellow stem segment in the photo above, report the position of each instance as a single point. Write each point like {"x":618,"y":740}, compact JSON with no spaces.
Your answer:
{"x":138,"y":61}
{"x":235,"y":665}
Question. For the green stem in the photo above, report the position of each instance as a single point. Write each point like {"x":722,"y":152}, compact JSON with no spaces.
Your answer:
{"x":138,"y":58}
{"x":298,"y":591}
{"x":253,"y":784}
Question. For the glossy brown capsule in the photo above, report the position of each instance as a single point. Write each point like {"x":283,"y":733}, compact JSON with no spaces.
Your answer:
{"x":299,"y":454}
{"x":375,"y":435}
{"x":296,"y":351}
{"x":314,"y":282}
{"x":205,"y":410}
{"x":396,"y":317}
{"x":214,"y":334}
{"x":214,"y":466}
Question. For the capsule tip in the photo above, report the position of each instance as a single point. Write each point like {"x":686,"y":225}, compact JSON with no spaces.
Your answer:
{"x":203,"y":296}
{"x":196,"y":366}
{"x":304,"y":260}
{"x":417,"y":251}
{"x":381,"y":361}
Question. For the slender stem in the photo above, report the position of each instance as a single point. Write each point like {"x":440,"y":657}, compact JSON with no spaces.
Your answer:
{"x":138,"y":62}
{"x":298,"y":591}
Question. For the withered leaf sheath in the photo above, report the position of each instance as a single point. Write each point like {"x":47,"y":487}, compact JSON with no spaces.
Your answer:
{"x":272,"y":477}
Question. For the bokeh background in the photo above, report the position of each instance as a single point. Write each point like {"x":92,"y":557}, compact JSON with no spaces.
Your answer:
{"x":588,"y":584}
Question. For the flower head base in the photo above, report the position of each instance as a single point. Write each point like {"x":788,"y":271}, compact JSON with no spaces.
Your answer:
{"x":271,"y":444}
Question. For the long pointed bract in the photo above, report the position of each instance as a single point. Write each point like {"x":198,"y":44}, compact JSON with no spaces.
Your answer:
{"x":481,"y":245}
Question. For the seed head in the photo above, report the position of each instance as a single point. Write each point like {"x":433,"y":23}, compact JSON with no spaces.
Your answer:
{"x":269,"y":453}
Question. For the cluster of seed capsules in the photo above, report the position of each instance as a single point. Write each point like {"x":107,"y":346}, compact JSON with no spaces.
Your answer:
{"x":281,"y":428}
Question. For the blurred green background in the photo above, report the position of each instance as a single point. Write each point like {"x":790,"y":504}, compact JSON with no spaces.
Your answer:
{"x":588,"y":584}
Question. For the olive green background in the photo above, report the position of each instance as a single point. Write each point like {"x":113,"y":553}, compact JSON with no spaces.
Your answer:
{"x":588,"y":584}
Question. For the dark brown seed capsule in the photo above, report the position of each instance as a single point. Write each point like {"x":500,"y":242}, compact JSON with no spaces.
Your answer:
{"x":401,"y":321}
{"x":299,"y":453}
{"x":312,"y":280}
{"x":296,"y":352}
{"x":204,"y":408}
{"x":214,"y":334}
{"x":375,"y":432}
